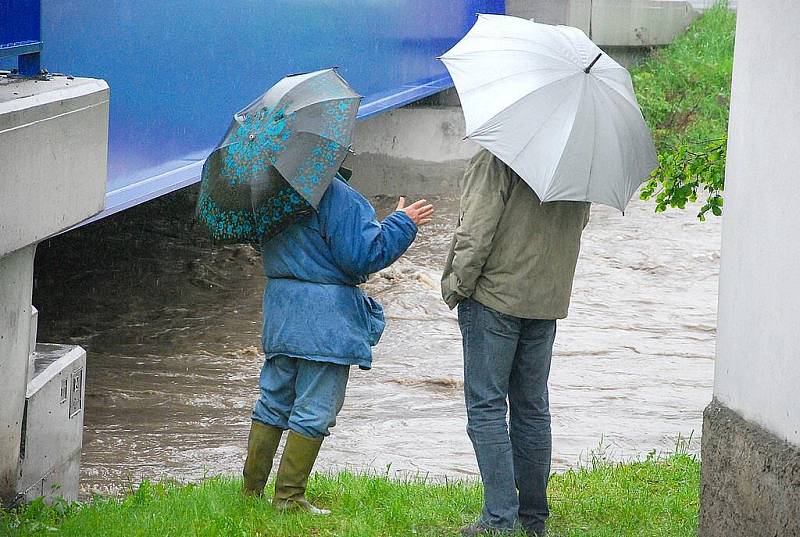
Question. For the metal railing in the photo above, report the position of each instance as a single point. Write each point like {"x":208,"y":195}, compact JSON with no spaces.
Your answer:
{"x":20,"y":34}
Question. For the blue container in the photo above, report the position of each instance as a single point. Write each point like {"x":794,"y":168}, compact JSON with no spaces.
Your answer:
{"x":179,"y":69}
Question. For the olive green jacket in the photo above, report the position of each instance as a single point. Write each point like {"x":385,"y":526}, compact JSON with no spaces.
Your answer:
{"x":511,"y":252}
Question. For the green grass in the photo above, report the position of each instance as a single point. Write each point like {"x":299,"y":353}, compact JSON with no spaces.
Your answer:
{"x":652,"y":498}
{"x":684,"y":90}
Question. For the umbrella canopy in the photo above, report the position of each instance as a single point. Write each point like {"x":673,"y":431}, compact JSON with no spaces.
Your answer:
{"x":547,"y":102}
{"x":278,"y":157}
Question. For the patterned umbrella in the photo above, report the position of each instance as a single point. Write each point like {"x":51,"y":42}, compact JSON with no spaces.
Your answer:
{"x":278,"y":158}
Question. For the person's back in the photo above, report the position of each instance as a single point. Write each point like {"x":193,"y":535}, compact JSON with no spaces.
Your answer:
{"x":511,"y":252}
{"x":510,"y":272}
{"x":312,"y":305}
{"x":324,"y":247}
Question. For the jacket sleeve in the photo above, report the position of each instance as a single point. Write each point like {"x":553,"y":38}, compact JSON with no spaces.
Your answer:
{"x":361,"y":245}
{"x":483,"y":199}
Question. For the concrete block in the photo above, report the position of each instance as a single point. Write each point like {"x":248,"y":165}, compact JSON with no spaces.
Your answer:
{"x":53,"y":149}
{"x":580,"y":15}
{"x":569,"y":12}
{"x":612,"y":23}
{"x":544,"y":11}
{"x":411,"y":150}
{"x":16,"y":286}
{"x":750,"y":482}
{"x":53,"y":435}
{"x":639,"y":23}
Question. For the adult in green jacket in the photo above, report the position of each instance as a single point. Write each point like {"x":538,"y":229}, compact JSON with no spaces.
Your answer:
{"x":509,"y":272}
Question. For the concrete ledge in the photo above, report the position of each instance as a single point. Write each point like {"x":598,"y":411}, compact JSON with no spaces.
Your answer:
{"x":53,"y":148}
{"x":416,"y":149}
{"x":750,"y":479}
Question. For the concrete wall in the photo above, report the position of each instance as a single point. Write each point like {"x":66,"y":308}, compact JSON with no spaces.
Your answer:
{"x":612,"y":23}
{"x":638,"y":23}
{"x":16,"y":286}
{"x":758,"y":345}
{"x":53,"y":149}
{"x":416,"y":149}
{"x":751,"y":433}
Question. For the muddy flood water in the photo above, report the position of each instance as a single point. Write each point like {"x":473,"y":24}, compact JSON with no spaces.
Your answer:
{"x":171,"y":324}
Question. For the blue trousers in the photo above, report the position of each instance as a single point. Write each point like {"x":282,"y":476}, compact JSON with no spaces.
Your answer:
{"x":301,"y":395}
{"x":507,"y":363}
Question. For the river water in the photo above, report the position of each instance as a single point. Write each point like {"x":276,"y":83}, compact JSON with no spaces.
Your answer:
{"x":171,"y":324}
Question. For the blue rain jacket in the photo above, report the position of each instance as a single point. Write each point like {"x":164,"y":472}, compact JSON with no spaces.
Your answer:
{"x":313,"y":307}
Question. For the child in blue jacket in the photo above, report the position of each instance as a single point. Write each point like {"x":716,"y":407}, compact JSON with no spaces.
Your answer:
{"x":318,"y":323}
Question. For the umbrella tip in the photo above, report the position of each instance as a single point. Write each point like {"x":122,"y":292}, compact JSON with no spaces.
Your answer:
{"x":594,"y":61}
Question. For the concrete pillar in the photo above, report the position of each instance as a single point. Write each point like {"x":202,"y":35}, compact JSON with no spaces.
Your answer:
{"x":751,"y":431}
{"x":53,"y":155}
{"x":16,"y":288}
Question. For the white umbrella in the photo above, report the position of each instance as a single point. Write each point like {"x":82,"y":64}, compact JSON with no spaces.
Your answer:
{"x":550,"y":104}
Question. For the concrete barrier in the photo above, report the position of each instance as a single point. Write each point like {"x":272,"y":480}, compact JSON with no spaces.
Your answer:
{"x":416,"y":149}
{"x":53,"y":149}
{"x":625,"y":29}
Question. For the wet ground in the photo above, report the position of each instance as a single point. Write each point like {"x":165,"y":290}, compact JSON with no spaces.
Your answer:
{"x":171,"y":324}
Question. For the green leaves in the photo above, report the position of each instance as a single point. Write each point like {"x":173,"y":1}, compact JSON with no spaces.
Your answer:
{"x":684,"y":92}
{"x":686,"y":173}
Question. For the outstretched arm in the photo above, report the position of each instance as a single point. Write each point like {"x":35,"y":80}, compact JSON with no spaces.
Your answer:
{"x":361,"y":245}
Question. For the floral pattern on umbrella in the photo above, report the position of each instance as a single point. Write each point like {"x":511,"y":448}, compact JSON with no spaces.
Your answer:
{"x":278,"y":157}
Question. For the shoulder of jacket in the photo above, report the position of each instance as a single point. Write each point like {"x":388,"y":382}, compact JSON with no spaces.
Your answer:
{"x":340,"y":197}
{"x":486,"y":159}
{"x":339,"y":190}
{"x":486,"y":166}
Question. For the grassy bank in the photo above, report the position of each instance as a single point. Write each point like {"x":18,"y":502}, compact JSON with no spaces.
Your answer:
{"x":684,"y":90}
{"x":652,"y":498}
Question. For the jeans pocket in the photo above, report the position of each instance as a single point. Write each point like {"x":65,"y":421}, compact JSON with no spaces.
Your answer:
{"x":468,"y":319}
{"x":464,"y":310}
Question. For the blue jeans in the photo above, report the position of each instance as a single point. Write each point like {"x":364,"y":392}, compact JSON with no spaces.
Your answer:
{"x":507,"y":363}
{"x":302,"y":395}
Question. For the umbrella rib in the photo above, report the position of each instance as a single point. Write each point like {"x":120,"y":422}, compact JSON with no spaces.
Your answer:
{"x":536,"y":134}
{"x":612,"y":88}
{"x":501,"y":79}
{"x":594,"y":145}
{"x":558,"y":54}
{"x":636,"y":155}
{"x":514,"y":103}
{"x":318,"y":135}
{"x":621,"y":158}
{"x":322,"y":102}
{"x":490,"y":51}
{"x":571,"y":130}
{"x":567,"y":38}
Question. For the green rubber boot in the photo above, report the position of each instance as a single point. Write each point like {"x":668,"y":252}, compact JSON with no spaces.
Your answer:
{"x":298,"y":459}
{"x":261,"y":447}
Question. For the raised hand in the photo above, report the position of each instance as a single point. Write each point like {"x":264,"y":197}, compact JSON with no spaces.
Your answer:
{"x":421,"y":212}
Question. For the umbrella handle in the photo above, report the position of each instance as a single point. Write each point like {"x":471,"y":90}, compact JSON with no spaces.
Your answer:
{"x":589,"y":67}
